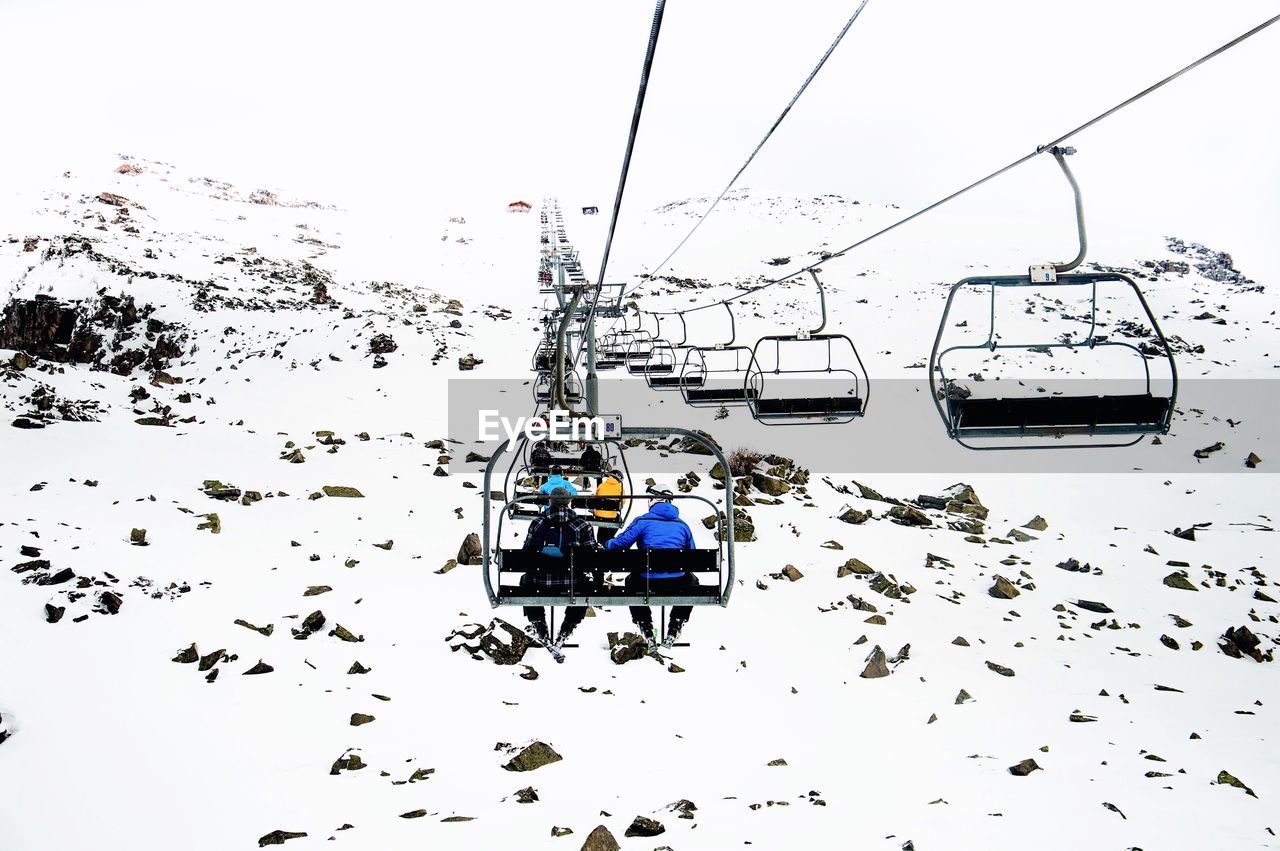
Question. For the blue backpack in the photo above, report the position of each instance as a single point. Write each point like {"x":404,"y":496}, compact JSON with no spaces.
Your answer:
{"x":550,"y":540}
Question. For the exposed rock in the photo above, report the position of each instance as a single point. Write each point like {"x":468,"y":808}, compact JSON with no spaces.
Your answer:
{"x":532,"y":757}
{"x":627,"y":647}
{"x":687,"y":808}
{"x":359,"y":719}
{"x":279,"y":837}
{"x":854,"y":566}
{"x":186,"y":657}
{"x":527,"y":795}
{"x":643,"y":826}
{"x":1093,"y":606}
{"x":341,"y":491}
{"x":905,"y":515}
{"x":1252,"y":460}
{"x":1024,"y":768}
{"x":1000,"y":669}
{"x":1240,"y":641}
{"x":769,"y":485}
{"x":1003,"y":589}
{"x":382,"y":344}
{"x":342,"y":633}
{"x":600,"y":839}
{"x":347,"y":762}
{"x":208,"y":660}
{"x":260,"y":668}
{"x":854,"y":516}
{"x":503,"y":643}
{"x":310,"y":624}
{"x":471,"y":552}
{"x":138,"y":537}
{"x":1178,"y":579}
{"x":264,"y":630}
{"x":1225,"y":778}
{"x":52,"y":613}
{"x":1037,"y":523}
{"x":877,"y":666}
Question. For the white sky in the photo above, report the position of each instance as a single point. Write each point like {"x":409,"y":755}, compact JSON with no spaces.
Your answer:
{"x":394,"y":104}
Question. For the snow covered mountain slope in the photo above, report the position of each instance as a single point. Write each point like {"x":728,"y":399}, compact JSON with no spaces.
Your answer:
{"x":199,"y":494}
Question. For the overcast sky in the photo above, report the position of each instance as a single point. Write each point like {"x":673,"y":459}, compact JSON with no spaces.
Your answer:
{"x":387,"y":103}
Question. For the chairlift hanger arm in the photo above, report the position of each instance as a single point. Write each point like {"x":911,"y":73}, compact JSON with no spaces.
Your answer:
{"x":1060,"y":154}
{"x":822,"y":303}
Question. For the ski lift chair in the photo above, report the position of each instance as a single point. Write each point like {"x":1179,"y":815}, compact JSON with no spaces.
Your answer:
{"x":716,"y":376}
{"x":602,"y":571}
{"x":666,"y":365}
{"x":807,"y":377}
{"x":1111,"y":416}
{"x":542,"y":388}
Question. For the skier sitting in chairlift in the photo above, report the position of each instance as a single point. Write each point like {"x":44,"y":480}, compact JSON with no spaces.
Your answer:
{"x":553,"y":534}
{"x":557,"y":481}
{"x":659,"y":529}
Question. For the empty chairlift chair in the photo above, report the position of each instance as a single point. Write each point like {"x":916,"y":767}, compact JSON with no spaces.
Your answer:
{"x":807,"y":377}
{"x":664,"y":370}
{"x":542,"y":388}
{"x":716,"y":376}
{"x":1103,"y":410}
{"x":641,"y":350}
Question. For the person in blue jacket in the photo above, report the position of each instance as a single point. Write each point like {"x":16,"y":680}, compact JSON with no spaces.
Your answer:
{"x":557,"y":480}
{"x":659,"y":529}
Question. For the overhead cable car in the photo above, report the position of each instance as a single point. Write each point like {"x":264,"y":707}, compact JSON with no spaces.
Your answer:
{"x":1108,"y":411}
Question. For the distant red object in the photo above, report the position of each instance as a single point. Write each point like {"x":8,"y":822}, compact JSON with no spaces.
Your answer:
{"x":519,"y":207}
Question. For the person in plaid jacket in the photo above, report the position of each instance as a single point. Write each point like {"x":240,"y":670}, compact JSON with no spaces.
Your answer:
{"x":557,"y":530}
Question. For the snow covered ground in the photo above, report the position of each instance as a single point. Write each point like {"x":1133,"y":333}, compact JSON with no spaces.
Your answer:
{"x":1111,"y":678}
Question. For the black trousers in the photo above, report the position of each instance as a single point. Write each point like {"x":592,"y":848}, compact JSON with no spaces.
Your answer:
{"x":642,"y":616}
{"x":537,"y":615}
{"x":605,"y":534}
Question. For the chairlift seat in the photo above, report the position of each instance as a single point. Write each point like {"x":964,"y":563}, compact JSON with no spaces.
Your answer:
{"x":675,"y":381}
{"x":699,"y":393}
{"x":1133,"y":414}
{"x":807,"y":406}
{"x":593,"y":565}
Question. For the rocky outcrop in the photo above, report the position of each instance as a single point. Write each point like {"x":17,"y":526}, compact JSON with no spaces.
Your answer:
{"x":111,"y":333}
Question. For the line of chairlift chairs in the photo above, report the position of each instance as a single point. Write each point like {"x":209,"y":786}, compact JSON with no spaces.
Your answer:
{"x":762,"y":377}
{"x":814,"y":377}
{"x":597,"y":576}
